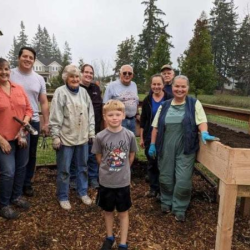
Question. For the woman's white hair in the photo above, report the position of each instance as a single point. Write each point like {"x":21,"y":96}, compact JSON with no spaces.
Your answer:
{"x":70,"y":70}
{"x":181,"y":77}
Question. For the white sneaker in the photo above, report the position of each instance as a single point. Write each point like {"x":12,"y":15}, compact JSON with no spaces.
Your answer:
{"x":86,"y":200}
{"x":65,"y":205}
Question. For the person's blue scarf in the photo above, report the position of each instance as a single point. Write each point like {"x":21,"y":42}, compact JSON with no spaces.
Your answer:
{"x":74,"y":91}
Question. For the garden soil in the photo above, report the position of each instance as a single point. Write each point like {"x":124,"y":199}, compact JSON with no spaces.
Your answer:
{"x":48,"y":227}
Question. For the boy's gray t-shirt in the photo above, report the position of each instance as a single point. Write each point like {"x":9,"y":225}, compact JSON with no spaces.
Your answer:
{"x":114,"y":170}
{"x":33,"y":84}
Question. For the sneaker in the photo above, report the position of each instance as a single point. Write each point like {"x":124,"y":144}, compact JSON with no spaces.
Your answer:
{"x":28,"y":191}
{"x":65,"y":205}
{"x":123,"y":247}
{"x":94,"y":183}
{"x":151,"y":194}
{"x":180,"y":217}
{"x":166,"y":209}
{"x":8,"y":213}
{"x":21,"y":203}
{"x":86,"y":200}
{"x":107,"y":244}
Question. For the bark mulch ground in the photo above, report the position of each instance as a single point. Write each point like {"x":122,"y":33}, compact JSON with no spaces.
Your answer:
{"x":47,"y":226}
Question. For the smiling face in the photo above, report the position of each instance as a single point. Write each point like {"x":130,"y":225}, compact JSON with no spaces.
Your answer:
{"x":114,"y":118}
{"x":26,"y":61}
{"x":4,"y":72}
{"x":157,"y":85}
{"x":87,"y":75}
{"x":180,"y":89}
{"x":126,"y":74}
{"x":73,"y":81}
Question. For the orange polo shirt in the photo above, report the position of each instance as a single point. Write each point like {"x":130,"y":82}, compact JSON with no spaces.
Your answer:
{"x":16,"y":104}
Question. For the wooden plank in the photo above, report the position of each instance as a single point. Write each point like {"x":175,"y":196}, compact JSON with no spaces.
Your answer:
{"x":215,"y":157}
{"x":243,"y":191}
{"x":228,"y":195}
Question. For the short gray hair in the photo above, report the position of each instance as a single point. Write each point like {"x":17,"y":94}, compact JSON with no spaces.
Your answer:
{"x":181,"y":77}
{"x":126,"y":65}
{"x":70,"y":70}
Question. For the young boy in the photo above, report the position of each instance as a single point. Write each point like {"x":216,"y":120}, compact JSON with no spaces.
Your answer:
{"x":115,"y":149}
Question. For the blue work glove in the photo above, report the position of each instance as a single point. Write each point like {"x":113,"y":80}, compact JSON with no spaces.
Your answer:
{"x":205,"y":136}
{"x":152,"y":150}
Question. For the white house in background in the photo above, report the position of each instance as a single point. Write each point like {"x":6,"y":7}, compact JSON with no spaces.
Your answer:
{"x":47,"y":68}
{"x":231,"y":84}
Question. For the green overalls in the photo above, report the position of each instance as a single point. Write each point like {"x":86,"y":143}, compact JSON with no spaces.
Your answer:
{"x":175,"y":167}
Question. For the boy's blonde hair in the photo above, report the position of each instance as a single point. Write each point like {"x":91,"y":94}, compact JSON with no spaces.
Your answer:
{"x":112,"y":105}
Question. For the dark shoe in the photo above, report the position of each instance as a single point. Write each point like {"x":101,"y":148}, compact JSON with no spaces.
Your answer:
{"x":158,"y":197}
{"x":28,"y":191}
{"x":166,"y":209}
{"x":21,"y":203}
{"x":151,"y":194}
{"x":107,"y":244}
{"x":180,"y":217}
{"x":94,"y":183}
{"x":8,"y":213}
{"x":122,"y":247}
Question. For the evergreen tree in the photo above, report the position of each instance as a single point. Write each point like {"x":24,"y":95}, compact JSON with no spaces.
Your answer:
{"x":55,"y":51}
{"x":46,"y":45}
{"x":80,"y":63}
{"x":13,"y":54}
{"x":197,"y":62}
{"x":154,"y":27}
{"x":242,"y":71}
{"x":223,"y":30}
{"x":21,"y":41}
{"x":125,"y":53}
{"x":66,"y":60}
{"x":37,"y":42}
{"x":160,"y":56}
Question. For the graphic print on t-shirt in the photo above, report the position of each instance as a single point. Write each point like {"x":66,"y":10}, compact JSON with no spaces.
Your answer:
{"x":116,"y":156}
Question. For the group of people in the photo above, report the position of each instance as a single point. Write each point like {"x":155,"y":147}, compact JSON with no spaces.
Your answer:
{"x":86,"y":156}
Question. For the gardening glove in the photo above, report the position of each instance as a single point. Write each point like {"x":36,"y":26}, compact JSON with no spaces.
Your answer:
{"x":22,"y":139}
{"x":205,"y":136}
{"x":152,"y":150}
{"x":56,"y":144}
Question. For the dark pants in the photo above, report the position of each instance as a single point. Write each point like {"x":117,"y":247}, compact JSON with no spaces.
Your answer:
{"x":153,"y":171}
{"x":30,"y":167}
{"x":93,"y":168}
{"x":12,"y":173}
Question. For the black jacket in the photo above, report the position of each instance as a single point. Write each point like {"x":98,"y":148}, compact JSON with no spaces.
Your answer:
{"x":146,"y":114}
{"x":96,"y":98}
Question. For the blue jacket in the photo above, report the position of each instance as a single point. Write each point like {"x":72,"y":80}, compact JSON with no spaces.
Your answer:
{"x":191,"y":139}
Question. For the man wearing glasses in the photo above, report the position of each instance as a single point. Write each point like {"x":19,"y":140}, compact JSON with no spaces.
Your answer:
{"x":125,"y":90}
{"x":167,"y":73}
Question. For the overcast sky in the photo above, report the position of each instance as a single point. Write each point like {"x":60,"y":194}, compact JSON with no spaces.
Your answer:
{"x":94,"y":28}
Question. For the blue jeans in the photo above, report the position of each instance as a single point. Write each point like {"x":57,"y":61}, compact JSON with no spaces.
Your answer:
{"x":30,"y":167}
{"x":129,"y":124}
{"x":65,"y":156}
{"x":93,"y":168}
{"x":12,"y":173}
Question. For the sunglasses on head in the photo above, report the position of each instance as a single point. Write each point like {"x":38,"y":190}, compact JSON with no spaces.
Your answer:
{"x":127,"y":73}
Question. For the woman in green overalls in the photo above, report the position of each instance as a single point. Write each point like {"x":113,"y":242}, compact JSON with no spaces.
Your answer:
{"x":175,"y":132}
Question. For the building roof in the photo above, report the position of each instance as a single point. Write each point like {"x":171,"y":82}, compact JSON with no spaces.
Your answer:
{"x":47,"y":61}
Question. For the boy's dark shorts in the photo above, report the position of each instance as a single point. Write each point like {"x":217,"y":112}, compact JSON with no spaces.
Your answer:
{"x":110,"y":199}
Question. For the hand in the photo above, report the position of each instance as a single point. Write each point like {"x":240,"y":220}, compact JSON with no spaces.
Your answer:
{"x":45,"y":130}
{"x":152,"y":150}
{"x":22,"y":139}
{"x":142,"y":143}
{"x":5,"y":146}
{"x":56,"y":144}
{"x":205,"y":136}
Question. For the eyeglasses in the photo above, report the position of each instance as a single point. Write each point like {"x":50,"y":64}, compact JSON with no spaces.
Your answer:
{"x":127,"y":73}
